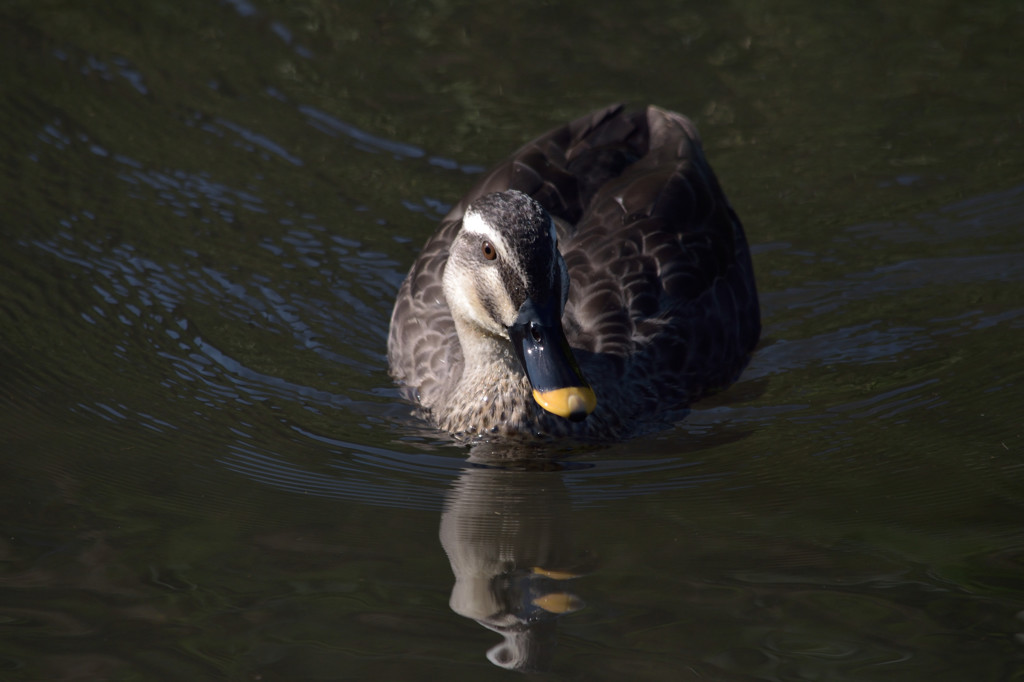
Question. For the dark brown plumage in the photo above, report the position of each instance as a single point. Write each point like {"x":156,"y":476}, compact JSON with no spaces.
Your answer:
{"x":662,"y":306}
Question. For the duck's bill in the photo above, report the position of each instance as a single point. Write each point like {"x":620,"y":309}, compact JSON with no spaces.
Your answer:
{"x":541,"y":346}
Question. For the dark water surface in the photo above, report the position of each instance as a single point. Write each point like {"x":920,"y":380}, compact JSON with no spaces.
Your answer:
{"x":207,"y":209}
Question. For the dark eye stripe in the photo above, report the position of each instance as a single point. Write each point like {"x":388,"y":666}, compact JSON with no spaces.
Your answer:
{"x":512,"y":279}
{"x":491,"y":307}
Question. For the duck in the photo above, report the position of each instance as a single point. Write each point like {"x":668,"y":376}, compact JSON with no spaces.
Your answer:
{"x":591,"y":286}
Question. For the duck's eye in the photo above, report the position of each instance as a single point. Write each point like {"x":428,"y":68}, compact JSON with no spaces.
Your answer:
{"x":488,"y":251}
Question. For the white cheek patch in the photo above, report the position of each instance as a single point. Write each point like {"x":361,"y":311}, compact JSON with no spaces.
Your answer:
{"x":463,"y":291}
{"x":459,"y":290}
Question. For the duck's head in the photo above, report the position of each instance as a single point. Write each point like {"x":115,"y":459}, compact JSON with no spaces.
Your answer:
{"x":505,"y":279}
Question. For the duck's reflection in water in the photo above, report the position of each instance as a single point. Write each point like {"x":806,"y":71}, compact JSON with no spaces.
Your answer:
{"x":508,"y":536}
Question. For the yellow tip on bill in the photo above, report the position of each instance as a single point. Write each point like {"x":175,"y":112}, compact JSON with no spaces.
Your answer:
{"x":574,"y":403}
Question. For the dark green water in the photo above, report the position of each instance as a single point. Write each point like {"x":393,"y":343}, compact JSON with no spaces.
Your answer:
{"x":207,"y":209}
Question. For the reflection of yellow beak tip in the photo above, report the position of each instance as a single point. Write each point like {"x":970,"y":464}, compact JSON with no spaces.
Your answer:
{"x":559,"y":603}
{"x":573,"y":403}
{"x":555,"y":575}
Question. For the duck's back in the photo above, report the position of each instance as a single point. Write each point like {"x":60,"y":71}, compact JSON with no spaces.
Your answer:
{"x":662,"y":304}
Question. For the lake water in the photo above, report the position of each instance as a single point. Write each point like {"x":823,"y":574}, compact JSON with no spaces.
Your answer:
{"x":207,"y":209}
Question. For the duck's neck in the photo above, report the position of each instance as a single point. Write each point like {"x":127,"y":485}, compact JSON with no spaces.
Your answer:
{"x":487,"y":361}
{"x":483,"y":353}
{"x":493,"y":391}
